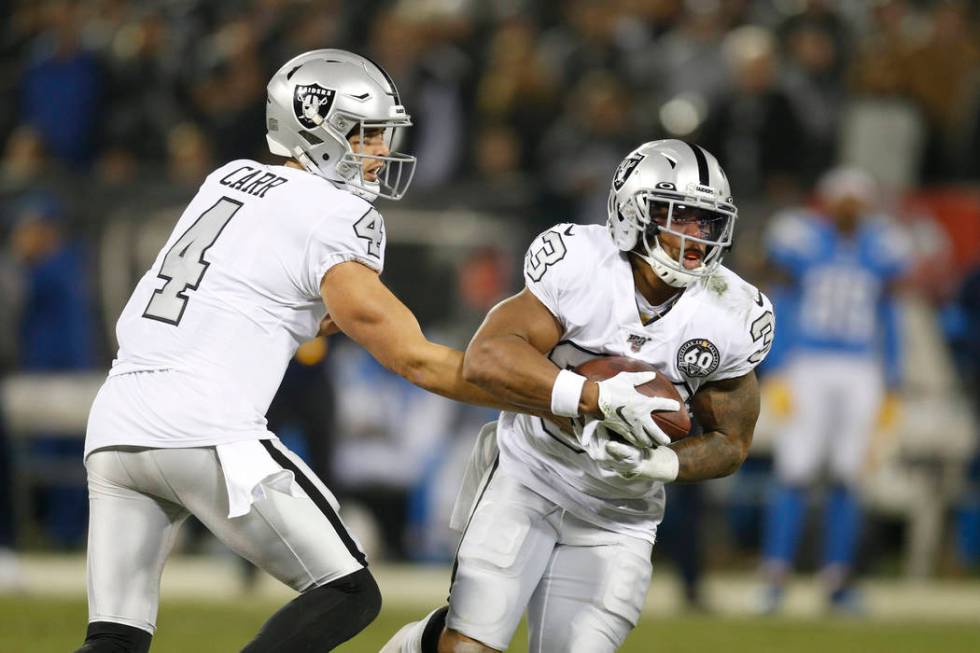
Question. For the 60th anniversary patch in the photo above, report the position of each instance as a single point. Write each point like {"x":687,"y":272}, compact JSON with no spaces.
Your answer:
{"x":698,"y":357}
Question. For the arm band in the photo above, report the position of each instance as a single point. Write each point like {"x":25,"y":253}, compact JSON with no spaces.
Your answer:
{"x":566,"y":393}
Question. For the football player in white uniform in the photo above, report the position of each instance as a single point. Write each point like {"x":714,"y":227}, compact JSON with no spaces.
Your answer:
{"x":562,"y":520}
{"x":263,"y":258}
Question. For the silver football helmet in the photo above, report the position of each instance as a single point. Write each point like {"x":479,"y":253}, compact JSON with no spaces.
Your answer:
{"x":672,"y":187}
{"x":318,"y":99}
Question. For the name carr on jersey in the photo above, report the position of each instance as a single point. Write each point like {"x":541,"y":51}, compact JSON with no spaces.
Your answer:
{"x":253,"y":181}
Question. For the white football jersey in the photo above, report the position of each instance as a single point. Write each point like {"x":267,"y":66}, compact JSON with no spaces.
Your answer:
{"x":720,"y":328}
{"x":230,"y":297}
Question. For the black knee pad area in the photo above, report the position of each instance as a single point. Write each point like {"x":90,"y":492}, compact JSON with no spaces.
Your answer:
{"x":108,"y":637}
{"x":321,"y":618}
{"x":363,"y":602}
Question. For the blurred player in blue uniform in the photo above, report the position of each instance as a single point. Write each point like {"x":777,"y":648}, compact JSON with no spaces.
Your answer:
{"x":841,"y":352}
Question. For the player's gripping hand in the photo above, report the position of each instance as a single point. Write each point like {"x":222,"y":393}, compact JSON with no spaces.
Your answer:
{"x":626,"y":411}
{"x":593,"y":437}
{"x":660,"y":464}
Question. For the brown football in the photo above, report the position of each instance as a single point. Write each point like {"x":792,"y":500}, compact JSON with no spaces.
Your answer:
{"x":676,"y":424}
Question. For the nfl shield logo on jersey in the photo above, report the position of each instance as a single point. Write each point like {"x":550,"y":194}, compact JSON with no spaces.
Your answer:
{"x":311,"y":104}
{"x":636,"y":342}
{"x":698,"y":357}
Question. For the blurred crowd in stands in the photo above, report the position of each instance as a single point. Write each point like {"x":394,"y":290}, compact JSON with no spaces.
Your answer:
{"x":115,"y":110}
{"x":533,"y":100}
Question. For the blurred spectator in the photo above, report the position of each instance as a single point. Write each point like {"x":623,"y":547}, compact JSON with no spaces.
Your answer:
{"x":822,"y":17}
{"x":496,"y":183}
{"x":840,"y":338}
{"x":516,"y":88}
{"x":117,"y":167}
{"x":300,"y":27}
{"x":55,"y":335}
{"x":24,"y":161}
{"x":755,"y":129}
{"x":581,"y":150}
{"x":882,"y":130}
{"x":138,"y":113}
{"x":953,"y":47}
{"x":583,"y":42}
{"x":303,"y":411}
{"x":419,"y":50}
{"x":229,"y":95}
{"x":189,"y":156}
{"x":62,"y":87}
{"x":389,"y":431}
{"x":55,"y":328}
{"x":688,"y":59}
{"x":482,"y":278}
{"x":814,"y":44}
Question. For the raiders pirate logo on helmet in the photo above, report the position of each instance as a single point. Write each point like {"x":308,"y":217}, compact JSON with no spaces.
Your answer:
{"x":625,"y":169}
{"x":311,"y":104}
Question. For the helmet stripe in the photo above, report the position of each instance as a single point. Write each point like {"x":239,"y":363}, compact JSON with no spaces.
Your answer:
{"x":391,"y":82}
{"x":702,"y":163}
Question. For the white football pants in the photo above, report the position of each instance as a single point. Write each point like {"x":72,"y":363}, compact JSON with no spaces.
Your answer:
{"x":583,"y":586}
{"x":836,"y":399}
{"x":139,"y":497}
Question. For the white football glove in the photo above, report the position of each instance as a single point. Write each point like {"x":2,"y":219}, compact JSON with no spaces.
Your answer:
{"x":660,"y":464}
{"x":593,"y":437}
{"x":627,"y":411}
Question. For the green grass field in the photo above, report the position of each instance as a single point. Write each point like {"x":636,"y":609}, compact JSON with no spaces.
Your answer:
{"x":48,"y":625}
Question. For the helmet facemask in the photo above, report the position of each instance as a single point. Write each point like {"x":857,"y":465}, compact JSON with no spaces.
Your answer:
{"x":654,"y":214}
{"x":396,"y":170}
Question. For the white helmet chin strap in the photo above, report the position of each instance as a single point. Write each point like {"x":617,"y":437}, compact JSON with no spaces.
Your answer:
{"x":666,"y":268}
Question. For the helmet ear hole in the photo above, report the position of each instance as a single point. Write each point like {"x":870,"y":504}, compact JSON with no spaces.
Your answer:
{"x":310,"y":137}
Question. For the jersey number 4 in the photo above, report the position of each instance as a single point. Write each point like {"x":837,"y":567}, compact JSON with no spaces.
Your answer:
{"x":371,"y":229}
{"x":184,"y":266}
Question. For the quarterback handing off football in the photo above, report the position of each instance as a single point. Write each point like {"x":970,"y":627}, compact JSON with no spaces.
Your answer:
{"x":676,"y":424}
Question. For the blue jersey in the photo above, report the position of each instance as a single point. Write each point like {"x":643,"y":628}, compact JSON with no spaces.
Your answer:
{"x":838,"y":299}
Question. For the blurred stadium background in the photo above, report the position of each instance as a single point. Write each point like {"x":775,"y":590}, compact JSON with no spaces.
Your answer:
{"x":112,"y":112}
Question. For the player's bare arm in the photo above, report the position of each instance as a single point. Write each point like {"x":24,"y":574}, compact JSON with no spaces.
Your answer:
{"x":361,"y":306}
{"x":727,"y":411}
{"x":507,"y":356}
